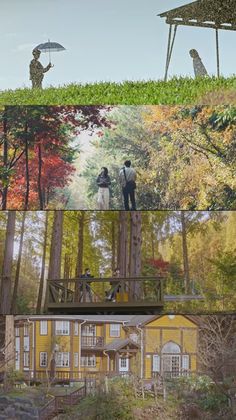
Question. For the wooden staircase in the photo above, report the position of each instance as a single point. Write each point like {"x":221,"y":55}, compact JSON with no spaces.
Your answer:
{"x":58,"y":403}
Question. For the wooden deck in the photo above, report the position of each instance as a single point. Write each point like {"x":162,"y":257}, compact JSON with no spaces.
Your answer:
{"x":140,"y":295}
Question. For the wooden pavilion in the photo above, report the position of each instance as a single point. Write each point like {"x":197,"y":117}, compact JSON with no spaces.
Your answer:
{"x":215,"y":14}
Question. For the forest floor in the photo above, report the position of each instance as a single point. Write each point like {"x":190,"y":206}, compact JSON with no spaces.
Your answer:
{"x":180,"y":90}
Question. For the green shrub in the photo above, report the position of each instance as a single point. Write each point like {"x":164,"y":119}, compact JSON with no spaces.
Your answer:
{"x":213,"y":401}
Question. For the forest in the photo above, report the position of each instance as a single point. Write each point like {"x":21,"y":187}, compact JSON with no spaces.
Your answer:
{"x":184,"y":156}
{"x":194,"y":251}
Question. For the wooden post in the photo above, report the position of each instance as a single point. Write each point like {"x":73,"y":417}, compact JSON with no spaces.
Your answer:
{"x":168,"y":52}
{"x":106,"y":385}
{"x":217,"y":53}
{"x":169,"y":49}
{"x":84,"y":290}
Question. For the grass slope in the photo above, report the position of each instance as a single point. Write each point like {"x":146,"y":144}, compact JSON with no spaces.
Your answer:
{"x":175,"y":91}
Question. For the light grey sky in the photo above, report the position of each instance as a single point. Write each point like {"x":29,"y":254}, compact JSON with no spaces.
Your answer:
{"x":105,"y":40}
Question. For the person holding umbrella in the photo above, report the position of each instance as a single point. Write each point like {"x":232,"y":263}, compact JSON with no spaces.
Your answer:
{"x":37,"y":70}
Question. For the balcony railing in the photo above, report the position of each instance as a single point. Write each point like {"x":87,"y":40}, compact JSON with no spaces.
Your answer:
{"x":92,"y":341}
{"x":105,"y":295}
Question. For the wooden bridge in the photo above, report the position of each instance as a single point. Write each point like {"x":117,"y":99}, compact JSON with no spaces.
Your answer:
{"x":139,"y":295}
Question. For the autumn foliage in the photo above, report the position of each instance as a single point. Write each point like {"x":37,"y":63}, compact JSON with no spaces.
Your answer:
{"x":161,"y":265}
{"x":37,"y":152}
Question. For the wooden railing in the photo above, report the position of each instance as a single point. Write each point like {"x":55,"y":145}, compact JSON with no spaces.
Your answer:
{"x":100,"y":290}
{"x":58,"y":403}
{"x":173,"y":375}
{"x":73,"y":376}
{"x":92,"y":341}
{"x":59,"y":375}
{"x":48,"y":410}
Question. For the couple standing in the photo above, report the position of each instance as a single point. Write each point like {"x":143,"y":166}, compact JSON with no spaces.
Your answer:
{"x":127,"y":178}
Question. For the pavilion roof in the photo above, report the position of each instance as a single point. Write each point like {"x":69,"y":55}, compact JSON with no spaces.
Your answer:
{"x":216,"y":14}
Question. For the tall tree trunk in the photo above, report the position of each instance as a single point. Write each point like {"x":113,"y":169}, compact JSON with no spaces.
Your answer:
{"x":54,"y":271}
{"x":41,"y":282}
{"x":67,"y":266}
{"x":26,"y":168}
{"x":123,"y":243}
{"x":5,"y":161}
{"x":18,"y":266}
{"x":40,"y":192}
{"x":135,"y":250}
{"x":153,"y":245}
{"x":185,"y":253}
{"x":5,"y":296}
{"x":113,"y":246}
{"x":80,"y":252}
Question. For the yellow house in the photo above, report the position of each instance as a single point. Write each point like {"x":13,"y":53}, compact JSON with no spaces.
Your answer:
{"x":73,"y":347}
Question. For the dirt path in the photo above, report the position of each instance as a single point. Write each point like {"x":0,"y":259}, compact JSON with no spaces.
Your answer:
{"x":78,"y":186}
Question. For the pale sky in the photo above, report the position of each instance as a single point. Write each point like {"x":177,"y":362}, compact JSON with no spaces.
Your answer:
{"x":105,"y":40}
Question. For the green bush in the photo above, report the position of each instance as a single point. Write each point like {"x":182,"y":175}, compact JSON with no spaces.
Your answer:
{"x":213,"y":401}
{"x":194,"y":383}
{"x":202,"y":391}
{"x":117,"y":404}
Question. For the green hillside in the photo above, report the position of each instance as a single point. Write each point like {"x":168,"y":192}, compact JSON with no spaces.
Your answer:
{"x":175,"y":91}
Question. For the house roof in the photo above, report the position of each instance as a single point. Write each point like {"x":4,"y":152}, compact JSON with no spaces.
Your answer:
{"x":119,"y":343}
{"x":140,"y":320}
{"x":127,"y":320}
{"x":90,"y":318}
{"x":217,"y":14}
{"x":145,"y":319}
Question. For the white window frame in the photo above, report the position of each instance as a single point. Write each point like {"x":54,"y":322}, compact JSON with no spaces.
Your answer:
{"x":76,"y":360}
{"x":43,"y":327}
{"x":17,"y":349}
{"x":76,"y":328}
{"x":63,"y":359}
{"x":89,"y":330}
{"x":185,"y":362}
{"x":26,"y":343}
{"x":17,"y":331}
{"x":43,"y":359}
{"x":123,"y":364}
{"x":88,"y":360}
{"x":62,"y":327}
{"x":26,"y":329}
{"x":156,"y":363}
{"x":26,"y":359}
{"x":114,"y":330}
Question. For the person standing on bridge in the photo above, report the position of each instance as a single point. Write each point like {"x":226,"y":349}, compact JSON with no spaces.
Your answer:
{"x":198,"y":66}
{"x":127,"y":178}
{"x":85,"y":276}
{"x":37,"y":70}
